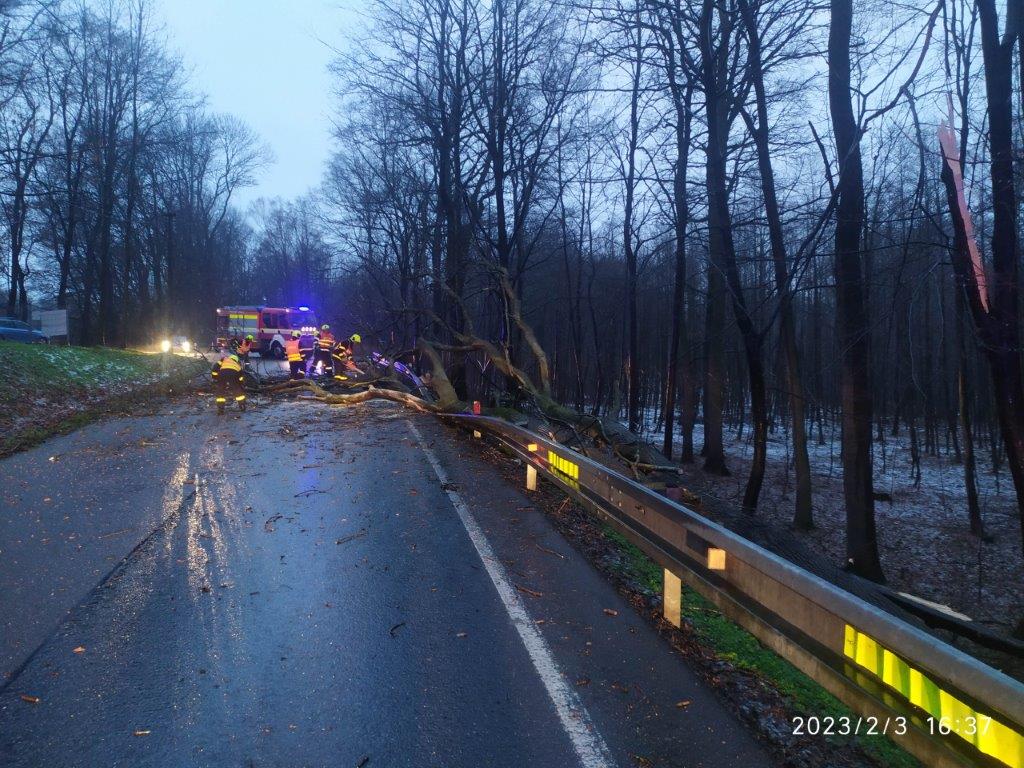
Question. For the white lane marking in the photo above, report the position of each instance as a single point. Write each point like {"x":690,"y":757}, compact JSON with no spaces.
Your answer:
{"x":590,"y":747}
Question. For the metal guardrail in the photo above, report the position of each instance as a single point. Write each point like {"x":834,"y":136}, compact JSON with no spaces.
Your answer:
{"x":940,"y":704}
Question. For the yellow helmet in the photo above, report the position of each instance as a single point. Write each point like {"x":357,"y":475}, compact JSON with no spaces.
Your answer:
{"x":234,"y":357}
{"x":249,"y":337}
{"x":296,"y":334}
{"x":357,"y":338}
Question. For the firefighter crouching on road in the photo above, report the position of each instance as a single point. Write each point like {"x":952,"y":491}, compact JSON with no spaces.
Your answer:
{"x":343,"y":356}
{"x":293,"y":352}
{"x":324,"y":348}
{"x":340,"y":356}
{"x":228,"y":375}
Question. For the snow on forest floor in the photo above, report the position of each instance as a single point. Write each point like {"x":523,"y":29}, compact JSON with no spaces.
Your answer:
{"x":924,"y":538}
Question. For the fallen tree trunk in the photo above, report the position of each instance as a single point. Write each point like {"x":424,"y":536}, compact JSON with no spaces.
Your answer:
{"x":354,"y":398}
{"x":628,"y":447}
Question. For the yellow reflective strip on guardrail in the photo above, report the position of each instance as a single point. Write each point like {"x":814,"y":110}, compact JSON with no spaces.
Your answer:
{"x":564,"y":466}
{"x":987,"y":734}
{"x":574,"y":484}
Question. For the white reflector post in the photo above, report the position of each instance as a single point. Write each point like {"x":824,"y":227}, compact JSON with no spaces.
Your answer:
{"x":531,"y":477}
{"x":673,"y":598}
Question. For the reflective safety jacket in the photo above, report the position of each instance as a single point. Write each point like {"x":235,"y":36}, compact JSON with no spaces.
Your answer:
{"x":291,"y":349}
{"x":326,"y":340}
{"x":227,"y":364}
{"x":307,"y":343}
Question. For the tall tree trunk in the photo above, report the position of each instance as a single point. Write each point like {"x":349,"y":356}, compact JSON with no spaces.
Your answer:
{"x":721,"y":246}
{"x":714,"y":325}
{"x":802,"y":517}
{"x":714,"y":374}
{"x":572,"y":285}
{"x":682,"y":215}
{"x":851,"y":311}
{"x":691,"y":387}
{"x":628,"y":242}
{"x":966,"y":428}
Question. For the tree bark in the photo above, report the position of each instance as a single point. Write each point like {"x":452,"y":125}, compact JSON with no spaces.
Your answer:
{"x":680,"y":201}
{"x":722,"y":249}
{"x":628,"y":242}
{"x":803,"y":516}
{"x":966,"y":428}
{"x":852,"y":326}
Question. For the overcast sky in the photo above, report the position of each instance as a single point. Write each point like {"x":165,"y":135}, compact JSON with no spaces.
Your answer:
{"x":263,"y":61}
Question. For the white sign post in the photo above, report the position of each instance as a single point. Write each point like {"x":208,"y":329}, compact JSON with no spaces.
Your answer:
{"x":53,"y":323}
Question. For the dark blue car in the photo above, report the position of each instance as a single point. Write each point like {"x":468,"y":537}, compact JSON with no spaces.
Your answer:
{"x":15,"y":330}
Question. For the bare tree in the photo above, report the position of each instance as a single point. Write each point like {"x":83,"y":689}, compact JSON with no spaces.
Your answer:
{"x":852,"y":325}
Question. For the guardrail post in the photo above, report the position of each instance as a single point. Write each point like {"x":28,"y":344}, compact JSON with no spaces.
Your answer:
{"x":673,"y":602}
{"x":531,"y":477}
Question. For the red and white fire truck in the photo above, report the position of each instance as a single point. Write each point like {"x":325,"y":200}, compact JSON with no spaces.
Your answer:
{"x":269,"y":326}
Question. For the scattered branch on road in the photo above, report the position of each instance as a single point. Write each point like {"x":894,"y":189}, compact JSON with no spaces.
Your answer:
{"x":353,"y":537}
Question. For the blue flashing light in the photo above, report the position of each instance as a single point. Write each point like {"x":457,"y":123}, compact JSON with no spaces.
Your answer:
{"x":303,"y":309}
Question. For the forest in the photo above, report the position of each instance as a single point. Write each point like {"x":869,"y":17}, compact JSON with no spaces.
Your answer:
{"x":742,"y":228}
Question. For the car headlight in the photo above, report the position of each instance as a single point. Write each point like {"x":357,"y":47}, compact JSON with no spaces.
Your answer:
{"x":165,"y":345}
{"x":186,"y":346}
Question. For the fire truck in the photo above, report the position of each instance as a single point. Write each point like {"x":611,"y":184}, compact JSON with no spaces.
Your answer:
{"x":269,"y":326}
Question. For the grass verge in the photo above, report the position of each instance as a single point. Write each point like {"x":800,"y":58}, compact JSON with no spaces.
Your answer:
{"x":47,"y":390}
{"x":730,"y":643}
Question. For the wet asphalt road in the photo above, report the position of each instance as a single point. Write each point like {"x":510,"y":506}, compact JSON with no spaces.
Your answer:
{"x":298,"y":589}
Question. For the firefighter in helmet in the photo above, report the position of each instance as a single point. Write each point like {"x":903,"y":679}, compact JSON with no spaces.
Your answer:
{"x":293,"y":351}
{"x":307,"y":346}
{"x":344,"y":356}
{"x":340,"y":356}
{"x":228,"y":375}
{"x":244,"y":348}
{"x":324,"y":350}
{"x":350,"y":344}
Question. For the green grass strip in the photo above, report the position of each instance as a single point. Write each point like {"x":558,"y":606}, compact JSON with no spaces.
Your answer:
{"x":44,"y":370}
{"x":735,"y":645}
{"x":37,"y":380}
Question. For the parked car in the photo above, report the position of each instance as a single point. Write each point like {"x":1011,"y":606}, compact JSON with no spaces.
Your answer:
{"x":15,"y":330}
